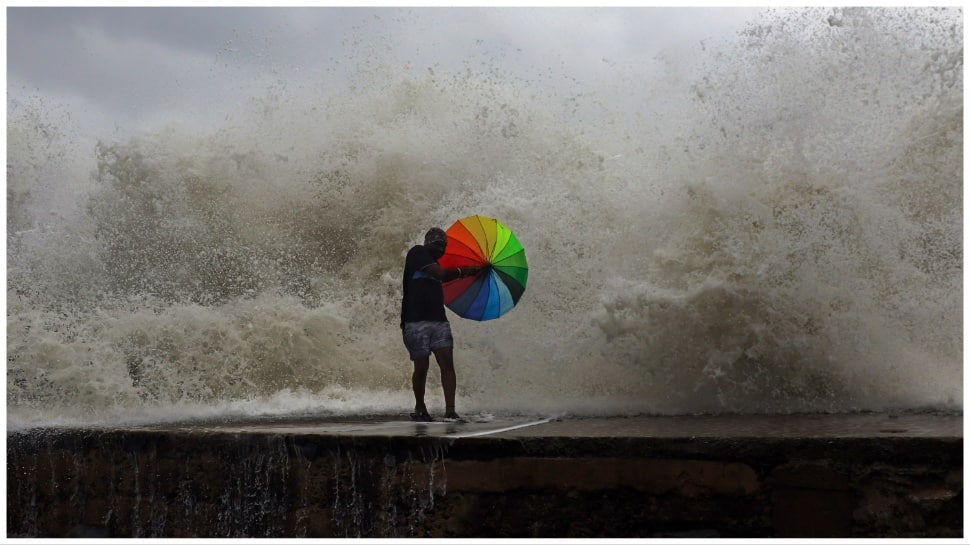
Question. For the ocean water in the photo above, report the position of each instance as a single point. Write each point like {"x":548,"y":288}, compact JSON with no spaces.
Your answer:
{"x":768,"y":224}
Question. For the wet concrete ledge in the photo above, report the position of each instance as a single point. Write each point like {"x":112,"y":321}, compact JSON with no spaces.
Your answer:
{"x":720,"y":476}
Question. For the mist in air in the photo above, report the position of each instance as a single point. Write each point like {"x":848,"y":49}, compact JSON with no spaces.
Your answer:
{"x":767,"y":223}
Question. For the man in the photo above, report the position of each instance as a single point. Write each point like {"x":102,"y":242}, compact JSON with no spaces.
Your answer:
{"x":424,"y":324}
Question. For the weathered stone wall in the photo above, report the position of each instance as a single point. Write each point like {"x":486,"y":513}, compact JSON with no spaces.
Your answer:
{"x":100,"y":483}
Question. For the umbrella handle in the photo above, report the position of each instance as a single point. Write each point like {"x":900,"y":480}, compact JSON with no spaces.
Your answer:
{"x":485,"y":267}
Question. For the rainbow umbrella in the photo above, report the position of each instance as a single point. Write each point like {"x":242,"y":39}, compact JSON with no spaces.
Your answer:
{"x":479,"y":241}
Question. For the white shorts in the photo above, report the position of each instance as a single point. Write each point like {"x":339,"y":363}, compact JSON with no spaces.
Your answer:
{"x":423,"y":338}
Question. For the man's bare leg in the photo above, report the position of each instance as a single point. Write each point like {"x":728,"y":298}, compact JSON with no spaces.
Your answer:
{"x":449,"y":380}
{"x":418,"y":379}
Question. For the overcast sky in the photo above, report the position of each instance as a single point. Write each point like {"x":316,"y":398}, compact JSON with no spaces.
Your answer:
{"x":134,"y":68}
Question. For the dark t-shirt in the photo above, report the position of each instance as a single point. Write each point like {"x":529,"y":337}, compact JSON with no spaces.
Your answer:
{"x":423,"y":298}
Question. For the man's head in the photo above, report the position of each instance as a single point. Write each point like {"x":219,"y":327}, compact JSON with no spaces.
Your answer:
{"x":436,"y":240}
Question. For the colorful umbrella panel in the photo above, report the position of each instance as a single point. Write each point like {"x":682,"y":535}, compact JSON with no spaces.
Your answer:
{"x":480,"y":241}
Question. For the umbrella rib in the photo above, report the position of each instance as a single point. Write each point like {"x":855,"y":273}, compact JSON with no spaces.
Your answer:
{"x":472,"y":250}
{"x":488,"y":251}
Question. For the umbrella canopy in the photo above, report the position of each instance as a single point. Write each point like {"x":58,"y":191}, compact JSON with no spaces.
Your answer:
{"x":479,"y":241}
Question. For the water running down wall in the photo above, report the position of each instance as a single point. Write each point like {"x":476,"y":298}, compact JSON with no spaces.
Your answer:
{"x":773,"y":224}
{"x":885,"y":477}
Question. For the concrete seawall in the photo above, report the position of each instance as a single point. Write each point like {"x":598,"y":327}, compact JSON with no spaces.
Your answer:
{"x":721,"y":476}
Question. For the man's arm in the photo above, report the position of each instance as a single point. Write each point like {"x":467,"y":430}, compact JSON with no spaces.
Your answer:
{"x":447,"y":275}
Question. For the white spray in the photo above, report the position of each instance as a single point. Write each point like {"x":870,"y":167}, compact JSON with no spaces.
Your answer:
{"x":775,"y":226}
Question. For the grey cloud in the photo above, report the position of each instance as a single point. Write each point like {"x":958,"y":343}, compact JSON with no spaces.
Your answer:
{"x":144,"y":62}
